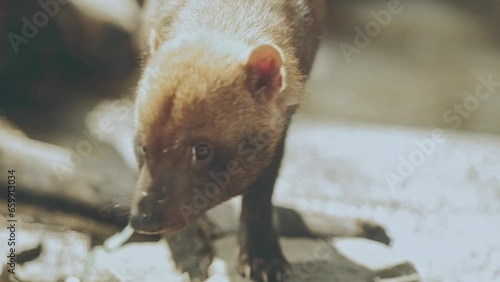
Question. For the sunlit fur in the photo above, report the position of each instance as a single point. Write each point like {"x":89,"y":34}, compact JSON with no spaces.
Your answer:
{"x":195,"y":87}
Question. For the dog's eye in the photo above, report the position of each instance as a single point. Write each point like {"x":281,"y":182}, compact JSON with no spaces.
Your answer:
{"x":201,"y":152}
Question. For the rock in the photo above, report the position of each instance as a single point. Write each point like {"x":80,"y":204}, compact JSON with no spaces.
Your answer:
{"x":62,"y":255}
{"x":50,"y":246}
{"x":379,"y":258}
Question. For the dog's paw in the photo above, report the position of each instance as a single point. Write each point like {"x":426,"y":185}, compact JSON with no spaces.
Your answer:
{"x":199,"y":274}
{"x":262,"y":269}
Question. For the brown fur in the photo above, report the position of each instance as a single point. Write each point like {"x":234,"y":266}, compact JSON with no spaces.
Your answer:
{"x":194,"y":83}
{"x":180,"y":111}
{"x":228,"y":74}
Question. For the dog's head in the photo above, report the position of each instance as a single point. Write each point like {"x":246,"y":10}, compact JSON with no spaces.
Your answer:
{"x":208,"y":122}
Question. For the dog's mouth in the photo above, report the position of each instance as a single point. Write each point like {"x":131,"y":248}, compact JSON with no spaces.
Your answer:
{"x":150,"y":232}
{"x":153,"y":223}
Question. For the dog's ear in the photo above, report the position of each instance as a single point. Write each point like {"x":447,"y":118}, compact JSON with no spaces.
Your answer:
{"x":265,"y":72}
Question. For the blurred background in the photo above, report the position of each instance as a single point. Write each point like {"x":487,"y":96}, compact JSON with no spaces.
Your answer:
{"x":414,"y":66}
{"x":388,"y":76}
{"x":426,"y":59}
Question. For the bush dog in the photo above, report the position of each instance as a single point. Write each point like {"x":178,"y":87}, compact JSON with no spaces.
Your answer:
{"x":221,"y":80}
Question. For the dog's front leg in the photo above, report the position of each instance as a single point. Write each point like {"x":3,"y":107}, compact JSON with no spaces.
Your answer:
{"x":192,"y":250}
{"x":260,"y":256}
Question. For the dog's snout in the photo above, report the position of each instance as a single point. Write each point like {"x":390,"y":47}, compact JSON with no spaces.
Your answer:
{"x":148,"y":217}
{"x":147,"y":222}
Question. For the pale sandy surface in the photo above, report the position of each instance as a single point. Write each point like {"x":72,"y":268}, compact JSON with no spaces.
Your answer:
{"x":445,"y":217}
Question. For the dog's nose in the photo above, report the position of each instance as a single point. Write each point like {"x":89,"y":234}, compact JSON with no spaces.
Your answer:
{"x":148,"y":222}
{"x":148,"y":218}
